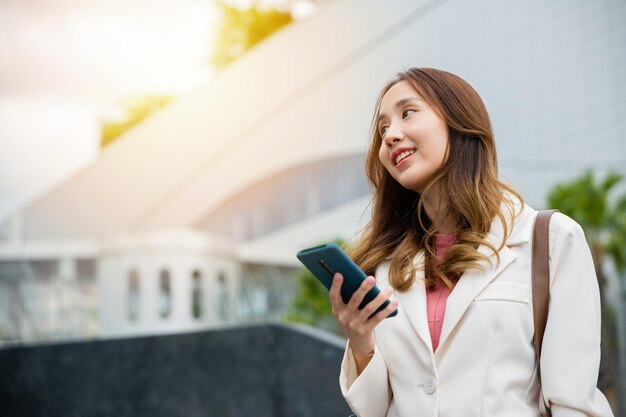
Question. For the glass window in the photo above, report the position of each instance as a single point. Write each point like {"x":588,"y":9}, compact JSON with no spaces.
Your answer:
{"x":314,"y":199}
{"x":222,"y":297}
{"x":289,"y":196}
{"x":165,"y":294}
{"x":196,"y":295}
{"x":132,"y":299}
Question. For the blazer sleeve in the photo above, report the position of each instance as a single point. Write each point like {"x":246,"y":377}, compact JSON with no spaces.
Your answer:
{"x":369,"y":393}
{"x":570,"y":357}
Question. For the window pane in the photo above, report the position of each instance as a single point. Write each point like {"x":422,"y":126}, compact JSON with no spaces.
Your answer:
{"x":133,"y":296}
{"x":222,"y":298}
{"x":165,"y":295}
{"x":196,"y":295}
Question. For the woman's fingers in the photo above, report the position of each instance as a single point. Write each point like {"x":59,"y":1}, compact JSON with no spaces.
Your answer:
{"x":356,"y":323}
{"x":335,"y":293}
{"x":373,"y":305}
{"x":359,"y":294}
{"x":381,"y":315}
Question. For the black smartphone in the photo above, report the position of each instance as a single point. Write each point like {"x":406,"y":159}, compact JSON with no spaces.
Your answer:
{"x":325,"y":260}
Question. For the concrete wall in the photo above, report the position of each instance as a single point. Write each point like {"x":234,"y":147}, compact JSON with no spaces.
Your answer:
{"x":261,"y":371}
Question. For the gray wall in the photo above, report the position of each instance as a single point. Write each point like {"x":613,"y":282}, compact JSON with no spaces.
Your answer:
{"x":270,"y":370}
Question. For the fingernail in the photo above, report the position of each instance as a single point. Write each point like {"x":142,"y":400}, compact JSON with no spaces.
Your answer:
{"x":389,"y":290}
{"x":336,"y":276}
{"x":394,"y":303}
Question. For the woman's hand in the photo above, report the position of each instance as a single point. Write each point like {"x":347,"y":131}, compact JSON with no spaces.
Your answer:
{"x":358,"y":328}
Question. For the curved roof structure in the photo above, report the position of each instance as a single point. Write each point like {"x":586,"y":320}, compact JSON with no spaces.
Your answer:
{"x":550,"y":74}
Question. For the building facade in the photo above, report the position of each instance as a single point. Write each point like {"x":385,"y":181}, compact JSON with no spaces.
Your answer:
{"x":193,"y":216}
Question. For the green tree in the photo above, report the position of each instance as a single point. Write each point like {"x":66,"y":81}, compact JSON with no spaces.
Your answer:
{"x":311,"y":304}
{"x":136,"y":110}
{"x":588,"y":202}
{"x":241,"y":29}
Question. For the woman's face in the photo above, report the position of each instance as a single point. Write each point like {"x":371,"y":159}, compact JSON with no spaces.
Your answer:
{"x":414,"y":137}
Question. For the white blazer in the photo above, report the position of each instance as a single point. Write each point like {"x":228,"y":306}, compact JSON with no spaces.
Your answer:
{"x":485,"y":362}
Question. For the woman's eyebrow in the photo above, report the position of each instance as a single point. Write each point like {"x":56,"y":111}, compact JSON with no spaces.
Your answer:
{"x":400,"y":103}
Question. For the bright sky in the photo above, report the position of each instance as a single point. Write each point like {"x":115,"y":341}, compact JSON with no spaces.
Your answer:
{"x":64,"y":63}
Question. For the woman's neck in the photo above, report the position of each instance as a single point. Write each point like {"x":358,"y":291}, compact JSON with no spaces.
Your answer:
{"x":444,"y":221}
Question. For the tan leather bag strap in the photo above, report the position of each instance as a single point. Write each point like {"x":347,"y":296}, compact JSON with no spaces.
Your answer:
{"x":541,"y":278}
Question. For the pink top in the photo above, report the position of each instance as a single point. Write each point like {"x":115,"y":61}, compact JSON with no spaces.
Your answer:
{"x":436,"y":297}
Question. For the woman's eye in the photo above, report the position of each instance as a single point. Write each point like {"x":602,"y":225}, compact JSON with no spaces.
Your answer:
{"x":404,"y":114}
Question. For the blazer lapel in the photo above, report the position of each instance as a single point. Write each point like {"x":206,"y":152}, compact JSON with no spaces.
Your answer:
{"x":413,"y":302}
{"x":471,"y":283}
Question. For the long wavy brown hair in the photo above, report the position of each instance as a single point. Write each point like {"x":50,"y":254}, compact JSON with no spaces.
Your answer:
{"x":399,"y":227}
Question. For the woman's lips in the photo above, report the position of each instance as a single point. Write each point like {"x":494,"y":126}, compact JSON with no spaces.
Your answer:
{"x":404,"y":159}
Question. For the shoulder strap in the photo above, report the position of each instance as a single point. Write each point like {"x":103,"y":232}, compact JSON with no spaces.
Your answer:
{"x":541,"y":278}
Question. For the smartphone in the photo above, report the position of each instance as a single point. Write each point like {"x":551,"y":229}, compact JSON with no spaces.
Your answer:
{"x":325,"y":260}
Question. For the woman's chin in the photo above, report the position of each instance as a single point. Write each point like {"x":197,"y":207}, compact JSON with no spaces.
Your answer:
{"x":413,"y":186}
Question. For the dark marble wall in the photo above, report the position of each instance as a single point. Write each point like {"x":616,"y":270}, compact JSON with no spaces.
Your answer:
{"x":262,"y":371}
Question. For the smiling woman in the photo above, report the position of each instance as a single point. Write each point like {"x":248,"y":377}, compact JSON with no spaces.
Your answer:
{"x":414,"y":138}
{"x":452,"y":242}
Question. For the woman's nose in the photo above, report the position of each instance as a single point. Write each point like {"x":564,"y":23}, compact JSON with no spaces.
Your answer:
{"x":393,"y":135}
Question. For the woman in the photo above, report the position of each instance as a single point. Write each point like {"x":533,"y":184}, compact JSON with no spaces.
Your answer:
{"x":453,"y":244}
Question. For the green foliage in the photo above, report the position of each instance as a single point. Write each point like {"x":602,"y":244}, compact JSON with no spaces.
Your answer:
{"x":137,"y":110}
{"x":312,"y":303}
{"x":240,"y":30}
{"x":587,"y":201}
{"x":615,"y":245}
{"x":584,"y":200}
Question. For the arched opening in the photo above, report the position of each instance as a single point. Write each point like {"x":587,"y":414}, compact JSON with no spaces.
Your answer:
{"x":223,"y":302}
{"x":165,"y":294}
{"x":197,"y":306}
{"x":132,"y":298}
